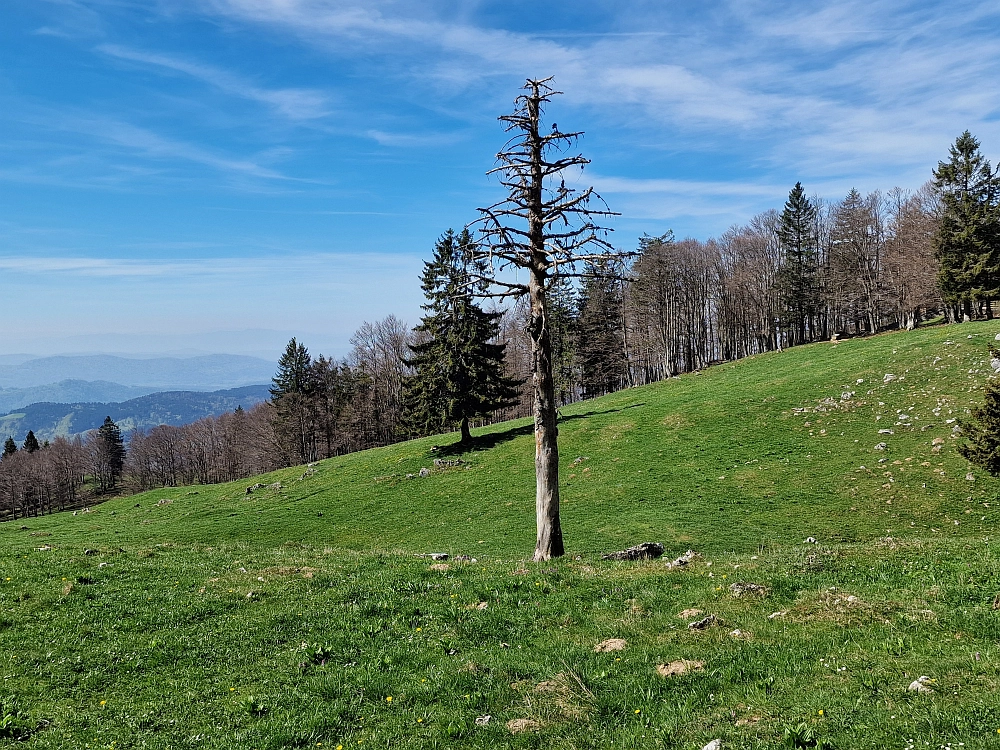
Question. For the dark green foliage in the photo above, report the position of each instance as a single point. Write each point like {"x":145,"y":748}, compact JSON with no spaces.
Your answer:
{"x":458,"y":369}
{"x":107,"y":455}
{"x":967,"y":242}
{"x":292,"y":388}
{"x":983,"y":430}
{"x":599,"y":342}
{"x":799,"y":278}
{"x":9,"y":447}
{"x":30,"y":442}
{"x":562,"y":308}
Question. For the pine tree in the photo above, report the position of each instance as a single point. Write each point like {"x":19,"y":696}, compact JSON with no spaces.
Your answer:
{"x":30,"y":442}
{"x":9,"y":447}
{"x":967,"y":241}
{"x":798,"y":279}
{"x":599,"y":346}
{"x":292,"y":389}
{"x":563,"y":306}
{"x":983,"y":430}
{"x":458,"y":370}
{"x":107,"y":454}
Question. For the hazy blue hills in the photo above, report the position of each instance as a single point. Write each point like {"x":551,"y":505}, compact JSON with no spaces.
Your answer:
{"x":207,"y":372}
{"x":69,"y":392}
{"x":49,"y":420}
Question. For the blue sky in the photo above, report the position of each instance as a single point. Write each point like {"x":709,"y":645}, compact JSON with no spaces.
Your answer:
{"x":221,"y":174}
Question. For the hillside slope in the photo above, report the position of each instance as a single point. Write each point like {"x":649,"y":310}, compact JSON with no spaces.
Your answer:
{"x":757,"y":452}
{"x":296,"y":615}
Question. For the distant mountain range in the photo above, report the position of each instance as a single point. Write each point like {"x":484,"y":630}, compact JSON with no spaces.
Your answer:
{"x":208,"y":372}
{"x":49,"y":420}
{"x":69,"y":392}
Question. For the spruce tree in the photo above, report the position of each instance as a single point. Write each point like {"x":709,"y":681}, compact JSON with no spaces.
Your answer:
{"x":967,"y":240}
{"x":107,"y":454}
{"x":798,"y":279}
{"x":9,"y":447}
{"x":292,"y":390}
{"x":599,"y":347}
{"x":30,"y":442}
{"x":458,"y":370}
{"x":983,"y":430}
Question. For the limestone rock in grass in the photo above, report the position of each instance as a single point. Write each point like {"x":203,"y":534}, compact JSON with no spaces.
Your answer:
{"x":996,"y":602}
{"x":250,"y":490}
{"x":683,"y":560}
{"x":747,"y":589}
{"x":445,"y":463}
{"x":425,"y":472}
{"x":995,"y":364}
{"x":436,"y":556}
{"x":611,"y":644}
{"x":881,"y":446}
{"x":709,"y":621}
{"x":921,"y":685}
{"x":713,"y":745}
{"x":644,"y":551}
{"x":886,"y":432}
{"x":742,"y":635}
{"x":687,"y":614}
{"x":889,"y":377}
{"x":679,"y":667}
{"x":90,"y":552}
{"x":482,"y":721}
{"x":517,"y":726}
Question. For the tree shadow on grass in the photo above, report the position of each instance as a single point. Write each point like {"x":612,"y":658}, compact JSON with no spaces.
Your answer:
{"x":493,"y":439}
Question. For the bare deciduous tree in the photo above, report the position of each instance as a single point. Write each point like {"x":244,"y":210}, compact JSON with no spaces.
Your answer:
{"x":545,"y":228}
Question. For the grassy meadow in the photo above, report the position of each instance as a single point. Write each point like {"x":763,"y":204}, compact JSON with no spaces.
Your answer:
{"x":297,"y":615}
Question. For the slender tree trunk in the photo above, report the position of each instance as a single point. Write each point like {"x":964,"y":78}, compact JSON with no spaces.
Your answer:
{"x":466,"y":434}
{"x":549,"y":542}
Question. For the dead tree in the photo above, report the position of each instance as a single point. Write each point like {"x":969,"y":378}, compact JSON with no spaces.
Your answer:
{"x":547,"y":229}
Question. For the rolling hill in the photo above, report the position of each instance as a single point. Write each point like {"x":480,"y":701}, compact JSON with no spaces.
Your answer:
{"x":51,"y":420}
{"x":845,"y":549}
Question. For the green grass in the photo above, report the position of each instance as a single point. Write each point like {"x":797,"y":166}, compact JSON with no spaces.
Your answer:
{"x":207,"y":617}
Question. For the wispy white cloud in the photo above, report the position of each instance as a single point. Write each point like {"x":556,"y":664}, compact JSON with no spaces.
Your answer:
{"x":293,"y":103}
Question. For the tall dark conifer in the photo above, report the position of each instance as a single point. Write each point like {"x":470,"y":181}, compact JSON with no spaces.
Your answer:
{"x":967,"y":241}
{"x":291,"y":393}
{"x":458,"y":370}
{"x":599,"y":345}
{"x":30,"y":442}
{"x":798,"y":279}
{"x":9,"y":447}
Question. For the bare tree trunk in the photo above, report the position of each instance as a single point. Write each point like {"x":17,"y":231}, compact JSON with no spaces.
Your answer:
{"x":466,"y":434}
{"x":549,"y":542}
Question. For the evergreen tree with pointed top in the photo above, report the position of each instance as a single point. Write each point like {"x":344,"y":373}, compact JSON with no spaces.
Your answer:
{"x":799,"y":278}
{"x":458,"y":369}
{"x":292,"y":390}
{"x":30,"y":442}
{"x":967,"y":240}
{"x":9,"y":447}
{"x":106,"y":450}
{"x":982,"y":431}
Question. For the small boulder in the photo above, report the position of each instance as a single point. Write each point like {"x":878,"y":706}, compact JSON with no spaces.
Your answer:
{"x":644,"y":551}
{"x":709,"y":621}
{"x":921,"y":685}
{"x":713,"y":745}
{"x":747,"y":589}
{"x":683,"y":560}
{"x":425,"y":472}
